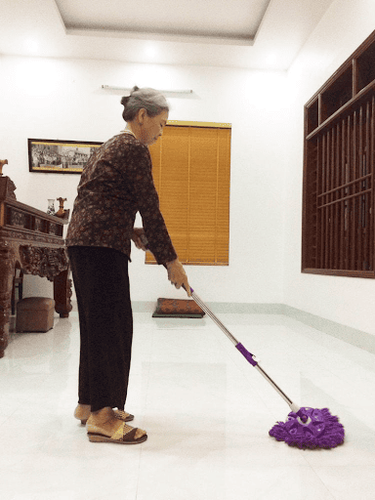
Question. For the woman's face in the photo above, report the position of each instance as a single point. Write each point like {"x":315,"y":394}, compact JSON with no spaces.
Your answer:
{"x":151,"y":127}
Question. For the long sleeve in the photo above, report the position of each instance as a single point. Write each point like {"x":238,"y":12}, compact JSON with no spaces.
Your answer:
{"x":116,"y":184}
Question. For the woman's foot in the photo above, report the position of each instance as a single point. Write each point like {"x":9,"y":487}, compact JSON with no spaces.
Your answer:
{"x":104,"y":427}
{"x":82,"y":413}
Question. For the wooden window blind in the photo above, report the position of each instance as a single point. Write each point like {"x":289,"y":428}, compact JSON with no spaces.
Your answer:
{"x":191,"y":170}
{"x":338,"y":207}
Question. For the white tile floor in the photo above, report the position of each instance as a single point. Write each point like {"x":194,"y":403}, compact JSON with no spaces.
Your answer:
{"x":206,"y":410}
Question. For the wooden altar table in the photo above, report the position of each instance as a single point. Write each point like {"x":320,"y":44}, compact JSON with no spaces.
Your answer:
{"x":30,"y":240}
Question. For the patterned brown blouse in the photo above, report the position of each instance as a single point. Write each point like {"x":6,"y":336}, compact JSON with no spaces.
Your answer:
{"x":116,"y":183}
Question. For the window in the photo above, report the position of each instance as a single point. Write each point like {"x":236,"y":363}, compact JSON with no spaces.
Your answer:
{"x":191,"y":169}
{"x":338,"y":202}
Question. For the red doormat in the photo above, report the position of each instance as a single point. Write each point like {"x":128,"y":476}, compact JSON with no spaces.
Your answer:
{"x":177,"y":308}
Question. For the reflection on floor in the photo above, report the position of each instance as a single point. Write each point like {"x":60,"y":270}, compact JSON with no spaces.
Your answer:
{"x":206,"y":410}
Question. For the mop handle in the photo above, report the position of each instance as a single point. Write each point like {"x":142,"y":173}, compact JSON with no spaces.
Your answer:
{"x":295,"y":408}
{"x":231,"y":337}
{"x":216,"y":320}
{"x":243,"y":350}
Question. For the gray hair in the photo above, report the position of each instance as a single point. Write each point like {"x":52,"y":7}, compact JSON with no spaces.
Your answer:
{"x":151,"y":100}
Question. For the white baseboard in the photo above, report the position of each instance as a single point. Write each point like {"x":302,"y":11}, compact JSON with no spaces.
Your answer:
{"x":358,"y":338}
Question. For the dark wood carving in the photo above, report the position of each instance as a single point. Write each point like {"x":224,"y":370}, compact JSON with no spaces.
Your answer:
{"x":32,"y":241}
{"x":6,"y":283}
{"x":43,"y":261}
{"x":62,"y":292}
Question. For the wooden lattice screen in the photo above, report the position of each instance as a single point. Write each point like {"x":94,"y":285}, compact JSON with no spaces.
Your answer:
{"x":338,"y":211}
{"x":344,"y":193}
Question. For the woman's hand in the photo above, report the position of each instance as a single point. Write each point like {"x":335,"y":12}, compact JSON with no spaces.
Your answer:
{"x":139,"y":238}
{"x":177,"y":275}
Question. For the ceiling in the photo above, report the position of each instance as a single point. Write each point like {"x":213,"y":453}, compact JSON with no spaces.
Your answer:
{"x":256,"y":34}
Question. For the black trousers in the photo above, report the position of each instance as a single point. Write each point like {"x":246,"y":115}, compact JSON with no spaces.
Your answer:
{"x":101,"y":282}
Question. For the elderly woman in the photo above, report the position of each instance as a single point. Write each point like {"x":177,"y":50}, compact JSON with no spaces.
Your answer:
{"x":116,"y":183}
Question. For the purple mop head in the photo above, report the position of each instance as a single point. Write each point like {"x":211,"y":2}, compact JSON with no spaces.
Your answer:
{"x":310,"y":428}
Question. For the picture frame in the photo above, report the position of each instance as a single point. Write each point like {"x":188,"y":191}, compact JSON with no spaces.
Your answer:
{"x":62,"y":157}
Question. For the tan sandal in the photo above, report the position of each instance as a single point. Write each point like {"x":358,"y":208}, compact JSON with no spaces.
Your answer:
{"x":82,"y":413}
{"x":125,"y":434}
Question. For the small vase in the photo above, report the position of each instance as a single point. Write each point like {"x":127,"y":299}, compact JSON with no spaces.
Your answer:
{"x":51,"y":207}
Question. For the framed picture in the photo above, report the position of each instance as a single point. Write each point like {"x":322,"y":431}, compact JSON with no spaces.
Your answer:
{"x":63,"y":157}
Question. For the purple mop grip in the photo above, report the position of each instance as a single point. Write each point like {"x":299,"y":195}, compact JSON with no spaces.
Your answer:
{"x":246,"y":354}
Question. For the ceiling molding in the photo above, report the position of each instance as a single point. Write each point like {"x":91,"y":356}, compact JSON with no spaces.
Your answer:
{"x":163,"y":37}
{"x":213,"y":33}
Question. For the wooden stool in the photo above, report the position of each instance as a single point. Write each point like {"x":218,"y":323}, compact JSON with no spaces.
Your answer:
{"x":35,"y":314}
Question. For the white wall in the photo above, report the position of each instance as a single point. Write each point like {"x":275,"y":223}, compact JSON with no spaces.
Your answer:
{"x":349,"y":301}
{"x":62,"y":99}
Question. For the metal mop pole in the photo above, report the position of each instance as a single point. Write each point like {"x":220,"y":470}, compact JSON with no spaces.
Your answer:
{"x":250,"y":357}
